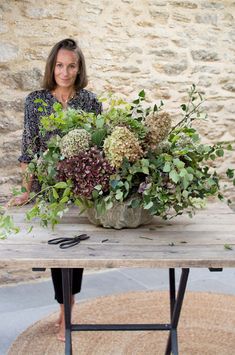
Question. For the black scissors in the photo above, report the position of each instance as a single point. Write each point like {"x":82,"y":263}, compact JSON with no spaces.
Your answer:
{"x":68,"y":242}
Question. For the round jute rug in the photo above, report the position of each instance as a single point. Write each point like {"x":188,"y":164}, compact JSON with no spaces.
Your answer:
{"x":206,"y":327}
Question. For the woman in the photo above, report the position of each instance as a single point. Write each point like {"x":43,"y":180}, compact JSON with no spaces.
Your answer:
{"x":64,"y":81}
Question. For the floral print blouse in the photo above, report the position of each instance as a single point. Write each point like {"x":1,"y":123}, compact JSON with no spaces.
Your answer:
{"x":32,"y":141}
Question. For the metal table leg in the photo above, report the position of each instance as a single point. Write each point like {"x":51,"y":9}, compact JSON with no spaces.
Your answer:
{"x":66,"y":281}
{"x":175,"y":309}
{"x":176,"y":304}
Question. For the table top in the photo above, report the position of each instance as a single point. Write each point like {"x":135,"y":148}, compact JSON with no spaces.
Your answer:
{"x":180,"y":242}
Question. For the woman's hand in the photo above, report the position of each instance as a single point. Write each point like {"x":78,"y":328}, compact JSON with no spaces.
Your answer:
{"x":18,"y":200}
{"x":27,"y":184}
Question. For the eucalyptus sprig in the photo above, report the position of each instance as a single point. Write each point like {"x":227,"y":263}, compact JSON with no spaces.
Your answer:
{"x":192,"y":109}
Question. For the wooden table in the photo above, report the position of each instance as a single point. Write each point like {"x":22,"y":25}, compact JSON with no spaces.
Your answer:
{"x":178,"y":243}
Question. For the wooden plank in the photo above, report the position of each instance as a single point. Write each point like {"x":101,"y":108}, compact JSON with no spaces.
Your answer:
{"x":159,"y":237}
{"x":180,"y":242}
{"x":107,"y":256}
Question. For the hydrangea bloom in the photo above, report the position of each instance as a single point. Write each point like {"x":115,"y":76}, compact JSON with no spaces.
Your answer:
{"x":86,"y":170}
{"x":74,"y":142}
{"x":159,"y":125}
{"x":122,"y":143}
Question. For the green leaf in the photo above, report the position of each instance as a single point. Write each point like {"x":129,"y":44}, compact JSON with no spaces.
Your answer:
{"x":99,"y":122}
{"x":57,"y":106}
{"x":98,"y":187}
{"x":61,"y":185}
{"x":178,"y":163}
{"x":145,"y":170}
{"x":167,"y":167}
{"x":174,"y":176}
{"x":114,"y":183}
{"x":137,"y":101}
{"x":38,"y":101}
{"x":64,"y":199}
{"x":230,"y":173}
{"x":55,"y":194}
{"x":109,"y":205}
{"x":95,"y":194}
{"x":183,"y":172}
{"x":148,"y":206}
{"x":142,"y":94}
{"x":120,"y":183}
{"x":67,"y":191}
{"x":212,"y":157}
{"x":127,"y":186}
{"x":119,"y":195}
{"x":220,"y":152}
{"x":185,"y":182}
{"x":98,"y":137}
{"x":228,"y":247}
{"x":145,"y":162}
{"x":100,"y":208}
{"x":30,"y":229}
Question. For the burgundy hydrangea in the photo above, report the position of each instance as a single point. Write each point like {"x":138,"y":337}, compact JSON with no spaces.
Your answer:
{"x":86,"y":170}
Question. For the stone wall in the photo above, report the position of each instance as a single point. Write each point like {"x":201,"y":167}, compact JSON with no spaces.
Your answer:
{"x":130,"y":45}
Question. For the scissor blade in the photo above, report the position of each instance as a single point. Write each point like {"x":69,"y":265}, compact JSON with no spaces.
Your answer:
{"x":81,"y":237}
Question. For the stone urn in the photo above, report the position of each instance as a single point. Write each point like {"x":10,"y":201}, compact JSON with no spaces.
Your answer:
{"x":121,"y":215}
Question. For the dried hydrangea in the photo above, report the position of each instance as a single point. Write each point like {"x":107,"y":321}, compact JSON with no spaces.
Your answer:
{"x":163,"y":147}
{"x":74,"y":142}
{"x":122,"y":143}
{"x":86,"y":170}
{"x":159,"y":125}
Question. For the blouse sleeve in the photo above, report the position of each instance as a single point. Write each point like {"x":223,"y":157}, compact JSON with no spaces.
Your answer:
{"x":97,"y":106}
{"x":30,"y":138}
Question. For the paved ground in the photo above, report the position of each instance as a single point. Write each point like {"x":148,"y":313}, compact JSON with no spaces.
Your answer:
{"x":23,"y":304}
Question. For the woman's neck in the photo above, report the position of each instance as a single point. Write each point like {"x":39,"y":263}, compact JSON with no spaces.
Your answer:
{"x":63,"y":95}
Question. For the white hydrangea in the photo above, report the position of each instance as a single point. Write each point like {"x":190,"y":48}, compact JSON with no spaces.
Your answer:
{"x":74,"y":142}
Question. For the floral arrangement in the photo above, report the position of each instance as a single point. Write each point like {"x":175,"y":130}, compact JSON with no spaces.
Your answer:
{"x":130,"y":152}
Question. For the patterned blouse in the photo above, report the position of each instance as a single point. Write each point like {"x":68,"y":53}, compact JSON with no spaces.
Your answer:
{"x":32,"y":141}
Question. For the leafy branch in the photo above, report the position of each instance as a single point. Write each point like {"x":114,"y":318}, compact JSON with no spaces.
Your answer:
{"x":190,"y":109}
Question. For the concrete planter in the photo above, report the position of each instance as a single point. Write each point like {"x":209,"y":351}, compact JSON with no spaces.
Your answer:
{"x":120,"y":216}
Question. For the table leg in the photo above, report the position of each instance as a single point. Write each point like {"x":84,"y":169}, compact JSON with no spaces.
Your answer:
{"x":175,"y":309}
{"x":66,"y":280}
{"x":176,"y":304}
{"x":172,"y":290}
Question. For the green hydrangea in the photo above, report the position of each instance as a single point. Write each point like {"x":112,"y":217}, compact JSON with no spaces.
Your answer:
{"x":159,"y":125}
{"x":74,"y":142}
{"x":122,"y":143}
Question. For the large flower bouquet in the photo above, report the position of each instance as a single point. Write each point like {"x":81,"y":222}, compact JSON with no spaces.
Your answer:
{"x":130,"y":153}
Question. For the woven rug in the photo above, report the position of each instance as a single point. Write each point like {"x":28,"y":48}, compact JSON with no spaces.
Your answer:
{"x":207,"y":326}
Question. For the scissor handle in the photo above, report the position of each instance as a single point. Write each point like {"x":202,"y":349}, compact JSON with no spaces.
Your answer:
{"x":74,"y":241}
{"x":59,"y":240}
{"x":69,"y":244}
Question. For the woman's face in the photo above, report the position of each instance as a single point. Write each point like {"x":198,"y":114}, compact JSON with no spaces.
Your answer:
{"x":66,"y":68}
